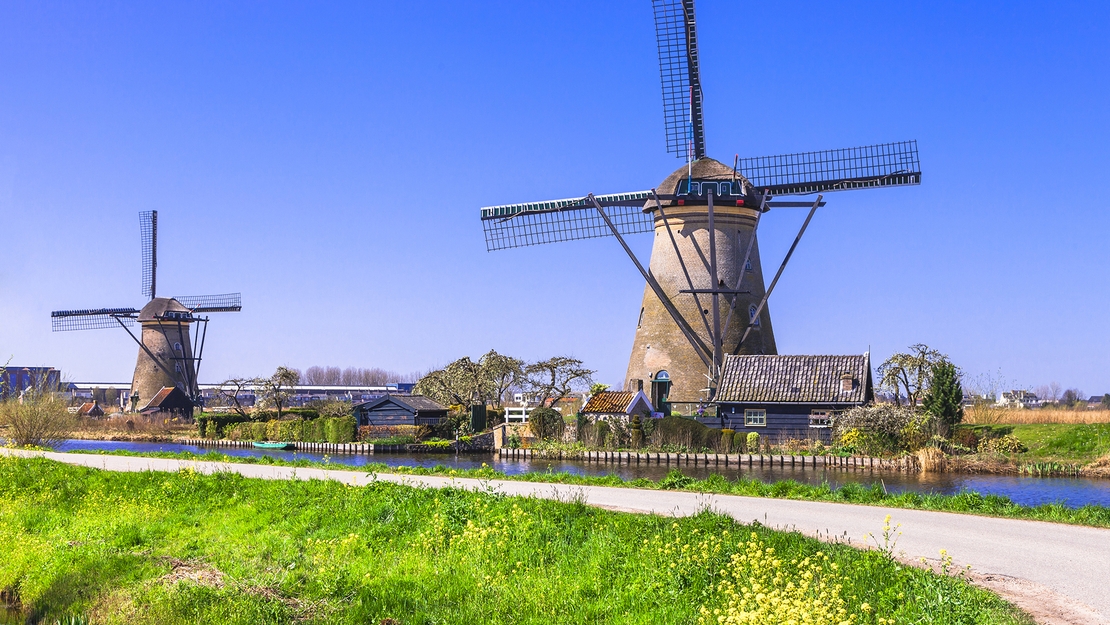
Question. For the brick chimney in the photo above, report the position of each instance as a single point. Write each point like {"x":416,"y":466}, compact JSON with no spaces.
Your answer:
{"x":847,"y":382}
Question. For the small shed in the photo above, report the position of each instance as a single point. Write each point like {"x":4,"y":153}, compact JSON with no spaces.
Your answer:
{"x":170,"y":399}
{"x":91,"y":409}
{"x":790,"y":396}
{"x":617,"y":405}
{"x":400,"y":410}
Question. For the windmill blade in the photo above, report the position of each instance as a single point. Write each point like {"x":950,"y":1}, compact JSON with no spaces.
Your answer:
{"x":227,"y":302}
{"x":536,"y":223}
{"x":148,"y":234}
{"x":676,"y":35}
{"x":868,"y":167}
{"x":92,"y":319}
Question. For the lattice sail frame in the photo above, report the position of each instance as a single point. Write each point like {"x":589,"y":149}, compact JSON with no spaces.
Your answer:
{"x":148,"y":234}
{"x":226,"y":302}
{"x":536,"y":223}
{"x":882,"y":165}
{"x":92,"y":319}
{"x":676,"y":36}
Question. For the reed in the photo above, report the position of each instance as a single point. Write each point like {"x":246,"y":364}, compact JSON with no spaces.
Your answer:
{"x":989,"y":415}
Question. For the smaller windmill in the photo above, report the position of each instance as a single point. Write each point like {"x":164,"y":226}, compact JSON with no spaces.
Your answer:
{"x":169,"y":353}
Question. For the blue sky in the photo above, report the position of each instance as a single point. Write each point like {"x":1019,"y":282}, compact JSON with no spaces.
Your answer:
{"x":329,"y":161}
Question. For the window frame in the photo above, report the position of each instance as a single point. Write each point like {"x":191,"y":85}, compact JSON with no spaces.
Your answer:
{"x":750,"y":414}
{"x":824,"y":414}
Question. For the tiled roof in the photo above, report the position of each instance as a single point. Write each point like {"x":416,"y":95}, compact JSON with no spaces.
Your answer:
{"x":609,"y":402}
{"x":413,"y":402}
{"x":794,"y":379}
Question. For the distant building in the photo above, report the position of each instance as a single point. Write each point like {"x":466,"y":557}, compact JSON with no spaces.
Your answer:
{"x":400,"y":410}
{"x":90,"y":409}
{"x":790,"y":396}
{"x":15,"y":381}
{"x":1019,"y":399}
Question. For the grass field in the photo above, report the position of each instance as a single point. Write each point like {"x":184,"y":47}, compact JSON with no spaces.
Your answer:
{"x":188,"y":548}
{"x":1075,"y":442}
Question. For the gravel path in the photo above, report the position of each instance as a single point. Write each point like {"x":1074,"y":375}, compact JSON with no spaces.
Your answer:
{"x":1058,"y":573}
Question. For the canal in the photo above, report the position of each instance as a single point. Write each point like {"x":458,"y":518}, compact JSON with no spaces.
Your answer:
{"x":1030,"y":491}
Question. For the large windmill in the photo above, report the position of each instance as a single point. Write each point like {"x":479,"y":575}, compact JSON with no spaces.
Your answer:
{"x":168,"y":358}
{"x":705,"y":295}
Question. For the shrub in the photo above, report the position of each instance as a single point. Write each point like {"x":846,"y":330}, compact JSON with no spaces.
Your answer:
{"x":340,"y":429}
{"x":546,"y":423}
{"x":726,"y":440}
{"x":753,"y":442}
{"x":881,"y":428}
{"x":1006,"y":444}
{"x":39,"y":419}
{"x":966,"y":438}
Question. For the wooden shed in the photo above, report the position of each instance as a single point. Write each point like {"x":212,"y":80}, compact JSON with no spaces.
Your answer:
{"x":400,"y":410}
{"x":790,"y":396}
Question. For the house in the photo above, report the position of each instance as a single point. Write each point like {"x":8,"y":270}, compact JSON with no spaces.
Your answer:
{"x":400,"y":410}
{"x":1018,"y":399}
{"x":1098,"y":402}
{"x":790,"y":396}
{"x":617,"y":405}
{"x":90,"y":409}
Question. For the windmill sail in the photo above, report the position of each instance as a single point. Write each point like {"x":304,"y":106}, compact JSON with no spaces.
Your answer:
{"x":676,"y":35}
{"x":227,"y":302}
{"x":148,"y":233}
{"x":535,"y":223}
{"x":92,"y":318}
{"x":883,"y":165}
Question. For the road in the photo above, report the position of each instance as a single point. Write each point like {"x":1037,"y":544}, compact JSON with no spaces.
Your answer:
{"x":1058,"y":573}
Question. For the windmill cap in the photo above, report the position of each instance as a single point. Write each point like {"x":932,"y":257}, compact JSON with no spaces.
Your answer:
{"x":158,"y":308}
{"x":702,"y":169}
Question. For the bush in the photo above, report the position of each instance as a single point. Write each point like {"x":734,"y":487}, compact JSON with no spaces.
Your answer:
{"x":966,"y":438}
{"x":1006,"y":444}
{"x":882,"y":428}
{"x":753,"y":442}
{"x":340,"y":429}
{"x":546,"y":423}
{"x":726,"y":440}
{"x":40,"y":420}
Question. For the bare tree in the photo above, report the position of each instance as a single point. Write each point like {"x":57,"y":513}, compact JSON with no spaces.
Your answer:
{"x":557,"y":377}
{"x":502,"y":374}
{"x":36,"y":417}
{"x":277,"y":389}
{"x":229,"y":390}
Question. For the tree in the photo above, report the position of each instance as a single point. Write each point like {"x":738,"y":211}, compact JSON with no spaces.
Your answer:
{"x":1072,"y":398}
{"x":945,"y":398}
{"x":1106,"y":400}
{"x":556,"y":378}
{"x":277,"y":389}
{"x":501,"y":373}
{"x":598,"y":387}
{"x":228,"y":393}
{"x":910,"y":372}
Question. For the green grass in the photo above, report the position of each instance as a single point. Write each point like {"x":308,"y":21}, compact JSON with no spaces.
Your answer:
{"x":173,"y":548}
{"x":875,"y":495}
{"x":1061,"y":442}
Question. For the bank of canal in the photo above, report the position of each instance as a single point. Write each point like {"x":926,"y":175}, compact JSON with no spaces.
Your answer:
{"x":1026,"y":491}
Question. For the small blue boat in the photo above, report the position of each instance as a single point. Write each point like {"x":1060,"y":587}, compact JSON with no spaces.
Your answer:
{"x":265,"y":445}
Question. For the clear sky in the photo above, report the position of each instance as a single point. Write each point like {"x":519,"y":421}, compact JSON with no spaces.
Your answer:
{"x":329,"y":161}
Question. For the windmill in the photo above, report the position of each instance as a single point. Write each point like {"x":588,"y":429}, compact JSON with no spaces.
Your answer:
{"x":168,"y":358}
{"x":705,"y":295}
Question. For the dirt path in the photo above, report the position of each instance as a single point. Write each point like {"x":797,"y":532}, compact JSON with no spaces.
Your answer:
{"x":1058,"y":573}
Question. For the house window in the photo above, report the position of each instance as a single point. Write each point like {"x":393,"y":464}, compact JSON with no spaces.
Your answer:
{"x":819,"y":419}
{"x":755,"y":418}
{"x":751,"y":316}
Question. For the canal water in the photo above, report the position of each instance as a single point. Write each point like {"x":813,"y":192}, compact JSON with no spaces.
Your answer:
{"x":1030,"y":491}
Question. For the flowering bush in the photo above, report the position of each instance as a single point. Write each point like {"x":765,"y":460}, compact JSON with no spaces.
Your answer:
{"x":882,"y":428}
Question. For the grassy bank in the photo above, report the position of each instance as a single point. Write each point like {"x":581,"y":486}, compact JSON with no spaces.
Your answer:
{"x":967,"y":502}
{"x":188,"y":548}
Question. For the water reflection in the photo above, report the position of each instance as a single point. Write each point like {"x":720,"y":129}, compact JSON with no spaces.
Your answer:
{"x":1031,"y":491}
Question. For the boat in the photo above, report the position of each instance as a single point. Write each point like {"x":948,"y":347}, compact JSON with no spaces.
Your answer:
{"x":265,"y":445}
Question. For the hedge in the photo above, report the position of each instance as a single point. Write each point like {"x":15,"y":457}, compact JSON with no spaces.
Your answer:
{"x":337,"y":430}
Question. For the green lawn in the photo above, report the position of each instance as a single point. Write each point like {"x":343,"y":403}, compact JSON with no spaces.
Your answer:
{"x":1063,"y":442}
{"x":188,"y":548}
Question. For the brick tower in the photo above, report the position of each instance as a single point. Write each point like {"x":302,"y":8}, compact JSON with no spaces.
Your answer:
{"x":165,"y":353}
{"x":661,"y":354}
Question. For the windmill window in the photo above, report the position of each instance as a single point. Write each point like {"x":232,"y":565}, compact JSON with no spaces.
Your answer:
{"x":755,"y":418}
{"x":748,"y":265}
{"x":177,"y":367}
{"x":640,"y":321}
{"x":177,"y":347}
{"x":751,"y":316}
